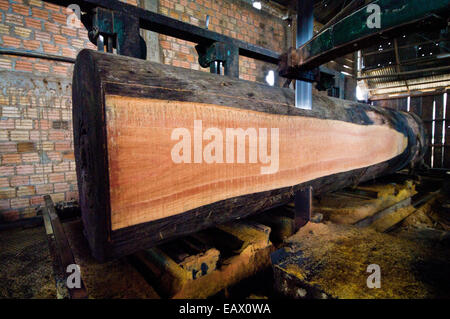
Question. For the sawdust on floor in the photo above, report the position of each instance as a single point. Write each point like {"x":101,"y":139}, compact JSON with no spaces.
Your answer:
{"x":25,"y":264}
{"x":338,"y":256}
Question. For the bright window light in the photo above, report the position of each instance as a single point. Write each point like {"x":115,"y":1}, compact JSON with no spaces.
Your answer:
{"x":359,"y":93}
{"x":362,"y":93}
{"x":270,"y":78}
{"x":257,"y":5}
{"x":433,"y":129}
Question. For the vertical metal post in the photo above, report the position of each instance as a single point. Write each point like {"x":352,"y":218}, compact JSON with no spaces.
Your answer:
{"x":231,"y":64}
{"x":305,"y":25}
{"x":303,"y":207}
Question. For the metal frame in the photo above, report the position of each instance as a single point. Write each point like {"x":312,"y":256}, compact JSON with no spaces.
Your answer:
{"x":352,"y":33}
{"x":305,"y":27}
{"x":168,"y":26}
{"x":302,"y":208}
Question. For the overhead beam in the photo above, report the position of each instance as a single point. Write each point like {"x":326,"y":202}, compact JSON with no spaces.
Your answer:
{"x":168,"y":26}
{"x":353,"y":33}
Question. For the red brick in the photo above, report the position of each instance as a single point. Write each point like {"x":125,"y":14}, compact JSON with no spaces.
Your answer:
{"x":20,"y":202}
{"x":20,"y":180}
{"x":6,"y":170}
{"x":69,"y":156}
{"x":54,"y":156}
{"x":60,"y":69}
{"x":62,"y":167}
{"x":37,"y":200}
{"x":67,"y":52}
{"x":52,"y":27}
{"x":61,"y":187}
{"x":30,"y":158}
{"x":39,"y":13}
{"x":59,"y":18}
{"x":71,"y":177}
{"x":62,"y":146}
{"x":56,"y":135}
{"x":14,"y":19}
{"x":21,"y":9}
{"x":6,"y":124}
{"x":24,"y":169}
{"x":38,"y":179}
{"x":42,"y":67}
{"x":72,"y":32}
{"x":33,"y":23}
{"x":43,"y":168}
{"x":4,"y":5}
{"x":42,"y":36}
{"x":44,"y":189}
{"x":77,"y":43}
{"x":9,"y":192}
{"x":11,"y":159}
{"x":24,"y":66}
{"x":56,"y":177}
{"x":25,"y":191}
{"x":59,"y":39}
{"x":31,"y":45}
{"x":50,"y":48}
{"x":11,"y":42}
{"x":4,"y":182}
{"x":52,"y":7}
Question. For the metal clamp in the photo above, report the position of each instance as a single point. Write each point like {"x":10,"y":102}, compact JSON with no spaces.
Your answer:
{"x":219,"y":54}
{"x":117,"y":30}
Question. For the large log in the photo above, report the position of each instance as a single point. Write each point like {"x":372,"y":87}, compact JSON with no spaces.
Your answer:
{"x":155,"y":159}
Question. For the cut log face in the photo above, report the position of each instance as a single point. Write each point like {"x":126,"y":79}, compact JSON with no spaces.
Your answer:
{"x":163,"y":152}
{"x":168,"y":157}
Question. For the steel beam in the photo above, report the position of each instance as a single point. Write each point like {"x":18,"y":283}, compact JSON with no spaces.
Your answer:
{"x":305,"y":26}
{"x":353,"y":32}
{"x":302,"y":208}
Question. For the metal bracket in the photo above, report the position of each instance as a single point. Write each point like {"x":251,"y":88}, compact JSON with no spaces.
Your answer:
{"x":115,"y":30}
{"x":217,"y":54}
{"x":294,"y":73}
{"x":302,"y":208}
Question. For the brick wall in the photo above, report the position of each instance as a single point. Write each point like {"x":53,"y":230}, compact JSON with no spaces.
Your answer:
{"x":36,"y":147}
{"x":233,"y":18}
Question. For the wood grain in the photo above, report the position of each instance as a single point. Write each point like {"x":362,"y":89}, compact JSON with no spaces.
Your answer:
{"x":146,"y":185}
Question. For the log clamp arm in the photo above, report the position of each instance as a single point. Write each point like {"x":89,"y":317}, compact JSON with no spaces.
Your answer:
{"x":302,"y":208}
{"x":219,"y":54}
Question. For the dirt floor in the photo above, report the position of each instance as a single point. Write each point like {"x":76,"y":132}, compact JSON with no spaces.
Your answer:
{"x":332,"y":258}
{"x":25,"y":264}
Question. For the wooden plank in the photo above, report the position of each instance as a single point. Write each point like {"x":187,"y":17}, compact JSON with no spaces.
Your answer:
{"x":61,"y":253}
{"x":427,"y":117}
{"x":366,"y":222}
{"x":156,"y":155}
